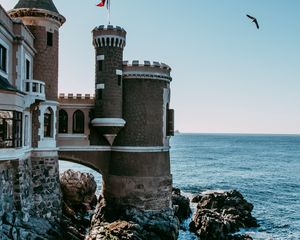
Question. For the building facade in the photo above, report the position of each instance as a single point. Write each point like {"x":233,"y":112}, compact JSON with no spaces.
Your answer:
{"x":122,"y":130}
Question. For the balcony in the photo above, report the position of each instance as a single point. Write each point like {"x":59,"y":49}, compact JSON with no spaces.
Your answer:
{"x":35,"y":91}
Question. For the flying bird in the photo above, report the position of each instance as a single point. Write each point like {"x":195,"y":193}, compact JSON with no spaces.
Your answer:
{"x":253,"y":20}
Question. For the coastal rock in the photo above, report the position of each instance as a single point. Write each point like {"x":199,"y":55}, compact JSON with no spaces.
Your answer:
{"x":131,"y":223}
{"x":79,"y":201}
{"x":14,"y":227}
{"x":181,"y":205}
{"x":219,"y":214}
{"x":78,"y":189}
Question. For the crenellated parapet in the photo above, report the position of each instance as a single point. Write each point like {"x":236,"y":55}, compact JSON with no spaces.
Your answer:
{"x":146,"y":70}
{"x":109,"y":36}
{"x":71,"y":98}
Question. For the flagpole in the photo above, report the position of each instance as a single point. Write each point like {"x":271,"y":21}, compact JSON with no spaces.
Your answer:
{"x":108,"y":7}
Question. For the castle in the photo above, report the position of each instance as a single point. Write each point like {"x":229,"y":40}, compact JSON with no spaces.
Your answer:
{"x":122,"y":131}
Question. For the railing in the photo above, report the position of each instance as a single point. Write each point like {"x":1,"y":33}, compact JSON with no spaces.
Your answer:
{"x":35,"y":89}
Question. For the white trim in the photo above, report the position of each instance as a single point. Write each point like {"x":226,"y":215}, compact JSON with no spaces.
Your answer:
{"x":141,"y":149}
{"x":85,"y":149}
{"x":70,"y":135}
{"x":45,"y":149}
{"x":100,"y":57}
{"x":113,"y":149}
{"x":13,"y":153}
{"x":108,"y":122}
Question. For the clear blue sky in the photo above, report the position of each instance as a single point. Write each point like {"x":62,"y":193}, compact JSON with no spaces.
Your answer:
{"x":227,"y":75}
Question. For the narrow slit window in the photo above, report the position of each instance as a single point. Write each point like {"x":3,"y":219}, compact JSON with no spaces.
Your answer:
{"x":119,"y":80}
{"x":100,"y":65}
{"x":27,"y":69}
{"x":49,"y":39}
{"x":99,"y":94}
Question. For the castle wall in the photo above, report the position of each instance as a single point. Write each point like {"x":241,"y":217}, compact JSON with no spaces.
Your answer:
{"x":30,"y":185}
{"x":45,"y":183}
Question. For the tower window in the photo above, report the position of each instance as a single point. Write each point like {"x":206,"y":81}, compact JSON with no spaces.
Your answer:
{"x":99,"y":94}
{"x":27,"y":69}
{"x":3,"y":58}
{"x":119,"y":80}
{"x":49,"y":39}
{"x":78,"y":122}
{"x":100,"y":65}
{"x":63,"y":121}
{"x":48,"y":117}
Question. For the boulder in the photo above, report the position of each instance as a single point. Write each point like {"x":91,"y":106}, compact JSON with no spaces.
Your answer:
{"x":219,"y":214}
{"x":78,"y":189}
{"x":181,"y":205}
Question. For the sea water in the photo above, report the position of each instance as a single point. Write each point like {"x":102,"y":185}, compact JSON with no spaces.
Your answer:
{"x":264,"y":168}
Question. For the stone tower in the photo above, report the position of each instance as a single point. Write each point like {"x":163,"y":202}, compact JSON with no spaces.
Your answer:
{"x":109,"y":44}
{"x":44,"y":21}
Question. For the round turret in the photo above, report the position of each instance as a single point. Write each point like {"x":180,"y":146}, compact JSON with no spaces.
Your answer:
{"x":146,"y":110}
{"x":109,"y":43}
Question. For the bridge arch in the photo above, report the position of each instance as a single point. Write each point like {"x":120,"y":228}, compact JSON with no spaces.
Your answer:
{"x":96,"y":160}
{"x":82,"y":163}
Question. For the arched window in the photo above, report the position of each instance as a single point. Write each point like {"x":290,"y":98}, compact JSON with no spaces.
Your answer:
{"x":63,"y":121}
{"x":48,"y":123}
{"x":78,"y":122}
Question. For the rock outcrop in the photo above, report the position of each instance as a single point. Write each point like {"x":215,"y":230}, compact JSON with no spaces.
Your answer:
{"x":110,"y":222}
{"x":14,"y":227}
{"x":219,"y":214}
{"x":79,"y":201}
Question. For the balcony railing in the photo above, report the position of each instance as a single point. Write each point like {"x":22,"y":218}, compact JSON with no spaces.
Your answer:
{"x":35,"y":89}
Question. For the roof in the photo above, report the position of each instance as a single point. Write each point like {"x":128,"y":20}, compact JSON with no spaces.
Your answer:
{"x":40,"y":4}
{"x":5,"y":85}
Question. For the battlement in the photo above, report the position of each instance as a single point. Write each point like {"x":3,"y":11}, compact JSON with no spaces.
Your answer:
{"x":147,"y":70}
{"x":109,"y":36}
{"x":76,"y":98}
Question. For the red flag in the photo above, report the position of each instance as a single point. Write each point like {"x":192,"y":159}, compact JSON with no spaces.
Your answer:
{"x":102,"y":3}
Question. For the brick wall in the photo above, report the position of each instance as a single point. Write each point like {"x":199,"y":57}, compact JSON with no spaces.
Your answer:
{"x":143,"y":113}
{"x":46,"y":61}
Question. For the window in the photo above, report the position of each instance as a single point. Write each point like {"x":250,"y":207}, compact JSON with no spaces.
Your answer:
{"x":119,"y":80}
{"x":99,"y":94}
{"x":27,"y":72}
{"x":78,"y":122}
{"x":48,"y":118}
{"x":49,"y":39}
{"x":3,"y":58}
{"x":63,"y":121}
{"x":100,"y":65}
{"x":10,"y":129}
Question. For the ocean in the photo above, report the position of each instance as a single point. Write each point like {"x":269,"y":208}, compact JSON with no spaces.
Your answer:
{"x":264,"y":168}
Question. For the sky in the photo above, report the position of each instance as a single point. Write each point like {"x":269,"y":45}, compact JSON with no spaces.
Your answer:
{"x":228,"y":77}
